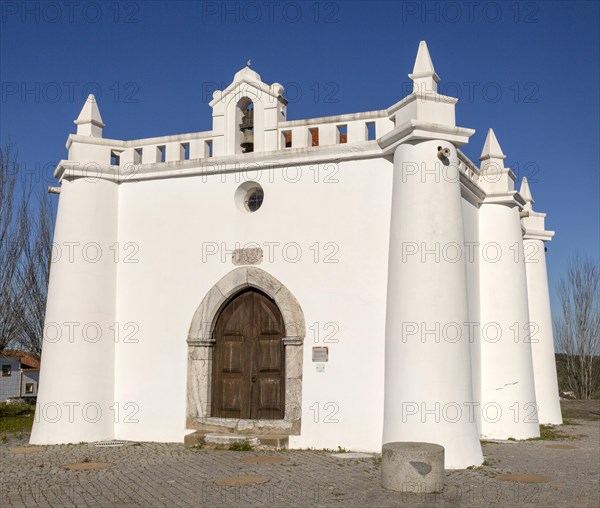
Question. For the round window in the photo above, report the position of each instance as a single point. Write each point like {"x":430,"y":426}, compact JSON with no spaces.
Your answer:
{"x":254,"y":199}
{"x":249,"y":196}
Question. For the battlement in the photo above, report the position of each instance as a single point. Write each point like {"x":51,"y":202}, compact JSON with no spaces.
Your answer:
{"x":250,"y":127}
{"x":249,"y":116}
{"x":304,"y":134}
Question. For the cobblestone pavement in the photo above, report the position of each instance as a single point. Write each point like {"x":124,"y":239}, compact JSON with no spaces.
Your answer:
{"x":169,"y":475}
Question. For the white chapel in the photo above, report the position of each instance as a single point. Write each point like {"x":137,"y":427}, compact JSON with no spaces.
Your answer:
{"x":345,"y":281}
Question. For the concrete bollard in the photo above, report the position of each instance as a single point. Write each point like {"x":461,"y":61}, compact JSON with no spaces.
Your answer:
{"x":412,"y":467}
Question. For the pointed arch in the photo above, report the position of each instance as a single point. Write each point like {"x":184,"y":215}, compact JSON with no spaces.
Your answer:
{"x":200,"y":350}
{"x":203,"y":322}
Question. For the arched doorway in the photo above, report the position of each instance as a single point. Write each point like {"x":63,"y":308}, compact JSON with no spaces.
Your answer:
{"x":249,"y":359}
{"x":202,"y":342}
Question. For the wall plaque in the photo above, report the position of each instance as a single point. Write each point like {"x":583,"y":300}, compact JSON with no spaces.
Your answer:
{"x":320,"y":354}
{"x":250,"y":256}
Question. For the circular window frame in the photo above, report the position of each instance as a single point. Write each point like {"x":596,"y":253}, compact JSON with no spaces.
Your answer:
{"x":243,"y":194}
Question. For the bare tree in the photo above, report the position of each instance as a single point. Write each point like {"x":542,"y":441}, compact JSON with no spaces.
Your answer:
{"x":34,"y":275}
{"x":13,"y":226}
{"x":578,"y":326}
{"x":25,"y":253}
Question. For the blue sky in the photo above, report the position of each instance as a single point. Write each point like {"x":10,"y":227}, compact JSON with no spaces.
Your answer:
{"x":530,"y":70}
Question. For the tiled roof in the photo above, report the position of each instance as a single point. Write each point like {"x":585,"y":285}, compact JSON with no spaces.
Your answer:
{"x":28,"y":360}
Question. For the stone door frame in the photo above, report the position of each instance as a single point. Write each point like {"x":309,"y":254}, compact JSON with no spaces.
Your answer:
{"x":200,"y":353}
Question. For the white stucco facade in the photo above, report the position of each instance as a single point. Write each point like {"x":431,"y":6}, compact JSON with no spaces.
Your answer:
{"x":371,"y":239}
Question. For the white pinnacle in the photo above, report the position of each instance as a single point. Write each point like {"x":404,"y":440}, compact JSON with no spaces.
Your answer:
{"x":525,"y":192}
{"x":423,"y":75}
{"x":491,"y":148}
{"x":423,"y":63}
{"x":90,"y":113}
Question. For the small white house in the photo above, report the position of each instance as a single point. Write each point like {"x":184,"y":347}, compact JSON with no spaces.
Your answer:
{"x":338,"y":281}
{"x":19,"y":377}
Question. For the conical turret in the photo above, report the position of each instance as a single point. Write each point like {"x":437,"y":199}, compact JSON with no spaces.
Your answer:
{"x":526,"y":194}
{"x":491,"y":152}
{"x":495,"y":177}
{"x":423,"y":75}
{"x":89,"y":122}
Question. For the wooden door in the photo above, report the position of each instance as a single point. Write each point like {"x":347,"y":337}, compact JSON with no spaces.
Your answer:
{"x":249,"y":359}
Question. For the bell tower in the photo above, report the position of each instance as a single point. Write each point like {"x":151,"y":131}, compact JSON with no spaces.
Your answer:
{"x":246,"y":115}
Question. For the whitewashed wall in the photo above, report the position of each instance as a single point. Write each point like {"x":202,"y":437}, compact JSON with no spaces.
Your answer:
{"x":76,"y":392}
{"x":472,"y":254}
{"x":347,"y":207}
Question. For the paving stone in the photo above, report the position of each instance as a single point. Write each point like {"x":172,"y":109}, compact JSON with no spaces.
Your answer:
{"x":87,"y":466}
{"x":26,"y":449}
{"x":242,"y":481}
{"x":522,"y":478}
{"x":169,"y":475}
{"x":264,"y":459}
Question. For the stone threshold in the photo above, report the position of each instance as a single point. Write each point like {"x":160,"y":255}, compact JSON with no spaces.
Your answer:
{"x":238,"y":426}
{"x":223,"y":441}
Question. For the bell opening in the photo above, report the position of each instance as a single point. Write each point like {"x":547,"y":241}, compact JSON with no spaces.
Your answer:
{"x":247,"y":128}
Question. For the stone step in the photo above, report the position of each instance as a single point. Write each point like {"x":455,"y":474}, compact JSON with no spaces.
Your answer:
{"x":225,"y":440}
{"x":194,"y":439}
{"x":274,"y":441}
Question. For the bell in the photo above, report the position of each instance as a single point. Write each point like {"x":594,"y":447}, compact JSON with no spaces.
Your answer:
{"x":247,"y":120}
{"x":247,"y":143}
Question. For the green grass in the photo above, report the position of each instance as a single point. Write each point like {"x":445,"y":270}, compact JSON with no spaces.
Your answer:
{"x":16,"y":409}
{"x":580,"y":416}
{"x":568,"y":421}
{"x":15,"y":424}
{"x":240,"y":447}
{"x":486,"y":463}
{"x":548,"y":433}
{"x":15,"y":418}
